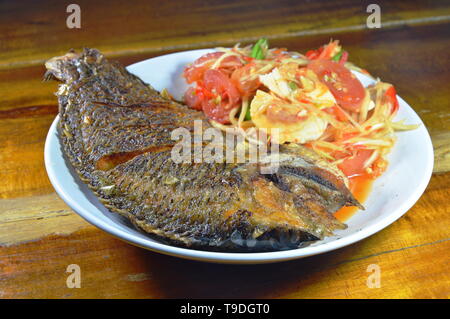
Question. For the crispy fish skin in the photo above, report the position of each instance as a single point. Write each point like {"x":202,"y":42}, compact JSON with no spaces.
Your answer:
{"x":116,"y":132}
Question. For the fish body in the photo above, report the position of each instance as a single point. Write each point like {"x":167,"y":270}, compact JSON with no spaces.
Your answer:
{"x":116,"y":132}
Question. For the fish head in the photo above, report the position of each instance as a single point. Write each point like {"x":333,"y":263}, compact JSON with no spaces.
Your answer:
{"x":294,"y":202}
{"x":71,"y":66}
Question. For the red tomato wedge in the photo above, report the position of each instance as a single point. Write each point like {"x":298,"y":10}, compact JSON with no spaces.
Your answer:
{"x":193,"y":98}
{"x":227,"y":97}
{"x":345,"y":87}
{"x":314,"y":54}
{"x":391,"y":95}
{"x":196,"y":71}
{"x":324,"y":52}
{"x":354,"y":165}
{"x":247,"y":87}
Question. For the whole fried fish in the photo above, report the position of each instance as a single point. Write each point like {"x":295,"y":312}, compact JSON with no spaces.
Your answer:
{"x":116,"y":132}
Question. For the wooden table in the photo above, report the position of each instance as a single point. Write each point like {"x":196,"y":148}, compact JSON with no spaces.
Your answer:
{"x":40,"y":236}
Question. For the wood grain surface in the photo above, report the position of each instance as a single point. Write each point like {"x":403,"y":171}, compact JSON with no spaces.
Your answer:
{"x":40,"y":235}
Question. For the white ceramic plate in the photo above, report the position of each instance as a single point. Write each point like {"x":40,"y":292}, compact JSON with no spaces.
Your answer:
{"x":393,"y":194}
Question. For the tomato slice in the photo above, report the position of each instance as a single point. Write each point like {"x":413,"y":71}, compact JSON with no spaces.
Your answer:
{"x":354,"y":165}
{"x":230,"y":64}
{"x":193,"y":99}
{"x":196,"y":71}
{"x":391,"y":95}
{"x":226,"y":96}
{"x":324,"y":52}
{"x":314,"y":54}
{"x":248,"y":87}
{"x":345,"y":87}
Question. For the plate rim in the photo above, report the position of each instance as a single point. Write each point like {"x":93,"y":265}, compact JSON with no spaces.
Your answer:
{"x":228,"y":257}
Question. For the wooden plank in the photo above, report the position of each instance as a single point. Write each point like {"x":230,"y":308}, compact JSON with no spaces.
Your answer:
{"x":111,"y":268}
{"x":119,"y":28}
{"x":21,"y":156}
{"x":33,"y":217}
{"x":441,"y":146}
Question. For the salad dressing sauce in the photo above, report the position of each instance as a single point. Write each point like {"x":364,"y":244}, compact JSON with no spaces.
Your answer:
{"x":360,"y":186}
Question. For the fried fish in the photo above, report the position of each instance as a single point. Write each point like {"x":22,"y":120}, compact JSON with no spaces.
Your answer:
{"x":116,"y":132}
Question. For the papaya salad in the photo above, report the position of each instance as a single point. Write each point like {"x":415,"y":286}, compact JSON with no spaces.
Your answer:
{"x":313,"y":99}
